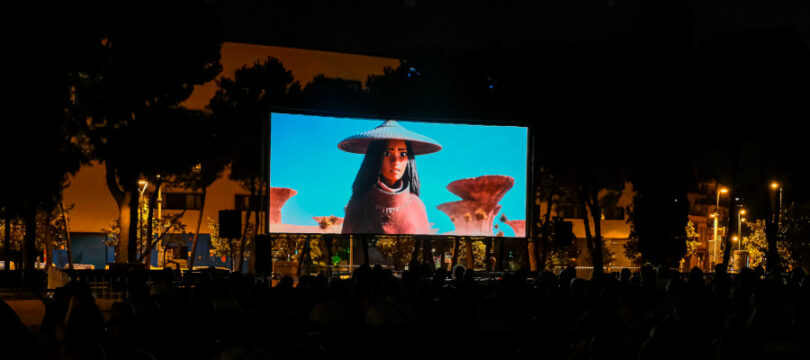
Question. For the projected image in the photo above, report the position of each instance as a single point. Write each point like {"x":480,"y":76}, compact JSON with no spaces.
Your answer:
{"x":363,"y":176}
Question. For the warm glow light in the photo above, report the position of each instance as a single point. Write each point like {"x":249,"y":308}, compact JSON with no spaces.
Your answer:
{"x":742,"y":212}
{"x":713,"y":215}
{"x":723,"y":190}
{"x":742,"y":220}
{"x":774,"y":185}
{"x":734,"y":238}
{"x":141,"y":182}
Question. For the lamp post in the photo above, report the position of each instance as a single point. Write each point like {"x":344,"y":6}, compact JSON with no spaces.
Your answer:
{"x":773,"y":226}
{"x":716,"y":215}
{"x":142,"y":184}
{"x":777,"y":215}
{"x":740,"y":220}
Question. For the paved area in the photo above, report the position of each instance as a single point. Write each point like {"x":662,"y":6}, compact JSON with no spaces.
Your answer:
{"x":30,"y":311}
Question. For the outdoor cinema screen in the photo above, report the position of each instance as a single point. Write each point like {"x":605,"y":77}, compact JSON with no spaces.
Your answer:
{"x":378,"y":176}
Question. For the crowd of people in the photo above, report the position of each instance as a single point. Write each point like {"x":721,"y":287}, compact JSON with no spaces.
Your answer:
{"x":427,"y":313}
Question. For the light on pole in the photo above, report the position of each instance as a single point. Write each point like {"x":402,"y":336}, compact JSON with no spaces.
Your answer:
{"x":716,"y":216}
{"x":774,"y":225}
{"x":740,"y":220}
{"x":777,"y":216}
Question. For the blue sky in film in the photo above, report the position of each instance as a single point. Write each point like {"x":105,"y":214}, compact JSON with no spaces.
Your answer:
{"x":304,"y":156}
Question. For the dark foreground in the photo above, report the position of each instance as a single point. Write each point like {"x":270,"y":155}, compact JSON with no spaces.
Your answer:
{"x":424,"y":314}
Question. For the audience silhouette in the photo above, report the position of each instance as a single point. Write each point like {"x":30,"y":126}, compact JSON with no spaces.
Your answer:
{"x":655,"y":313}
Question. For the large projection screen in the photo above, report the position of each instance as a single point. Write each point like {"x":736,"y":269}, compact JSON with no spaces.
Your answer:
{"x":475,"y":185}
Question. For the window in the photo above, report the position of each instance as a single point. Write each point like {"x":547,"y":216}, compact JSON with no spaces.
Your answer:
{"x":182,"y":201}
{"x":180,"y":252}
{"x":613,"y":213}
{"x":241,"y":202}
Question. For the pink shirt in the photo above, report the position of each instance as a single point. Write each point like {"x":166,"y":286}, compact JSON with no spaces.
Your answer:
{"x":383,"y":210}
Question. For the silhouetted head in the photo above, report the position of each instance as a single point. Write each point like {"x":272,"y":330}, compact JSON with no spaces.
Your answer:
{"x":286,"y":282}
{"x":719,"y":269}
{"x":696,"y":277}
{"x":458,"y":272}
{"x":625,"y":276}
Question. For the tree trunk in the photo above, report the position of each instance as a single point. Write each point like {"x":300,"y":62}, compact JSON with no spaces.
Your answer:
{"x":68,"y":243}
{"x":598,"y":261}
{"x":328,"y":242}
{"x":364,"y":241}
{"x":29,"y":252}
{"x":197,"y":231}
{"x":454,"y":256}
{"x":233,"y":264}
{"x":487,"y":254}
{"x":415,"y":252}
{"x":305,"y":259}
{"x":501,"y":254}
{"x":252,"y":247}
{"x":123,"y":200}
{"x":427,"y":251}
{"x":149,"y":236}
{"x":732,"y":224}
{"x":149,"y":223}
{"x":132,"y":245}
{"x":441,"y":259}
{"x":533,"y":238}
{"x":588,"y":237}
{"x":544,"y":232}
{"x":7,"y":240}
{"x":596,"y":215}
{"x":241,"y":252}
{"x":122,"y":249}
{"x":470,"y":255}
{"x":46,"y":257}
{"x":527,"y":260}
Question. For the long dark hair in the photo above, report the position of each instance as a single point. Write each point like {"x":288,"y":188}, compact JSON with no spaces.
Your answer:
{"x":372,"y":165}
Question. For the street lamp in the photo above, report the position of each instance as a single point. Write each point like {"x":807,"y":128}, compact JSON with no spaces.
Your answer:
{"x":716,"y":215}
{"x":740,"y":220}
{"x":774,"y":223}
{"x":777,"y":215}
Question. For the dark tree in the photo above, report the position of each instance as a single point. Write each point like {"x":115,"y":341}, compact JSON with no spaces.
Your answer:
{"x":333,"y":94}
{"x":150,"y":57}
{"x":41,"y":144}
{"x":244,"y":103}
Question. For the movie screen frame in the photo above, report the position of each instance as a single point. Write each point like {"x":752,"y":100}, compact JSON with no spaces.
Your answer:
{"x":463,"y":194}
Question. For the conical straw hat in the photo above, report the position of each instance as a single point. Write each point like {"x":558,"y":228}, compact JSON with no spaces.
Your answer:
{"x":389,"y":130}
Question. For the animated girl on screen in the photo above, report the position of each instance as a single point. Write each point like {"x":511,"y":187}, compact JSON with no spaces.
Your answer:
{"x":385,"y":193}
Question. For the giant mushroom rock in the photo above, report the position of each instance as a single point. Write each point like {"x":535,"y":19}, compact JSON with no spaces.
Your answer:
{"x":470,"y":217}
{"x":487,"y":189}
{"x":474,"y":214}
{"x":279,"y":196}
